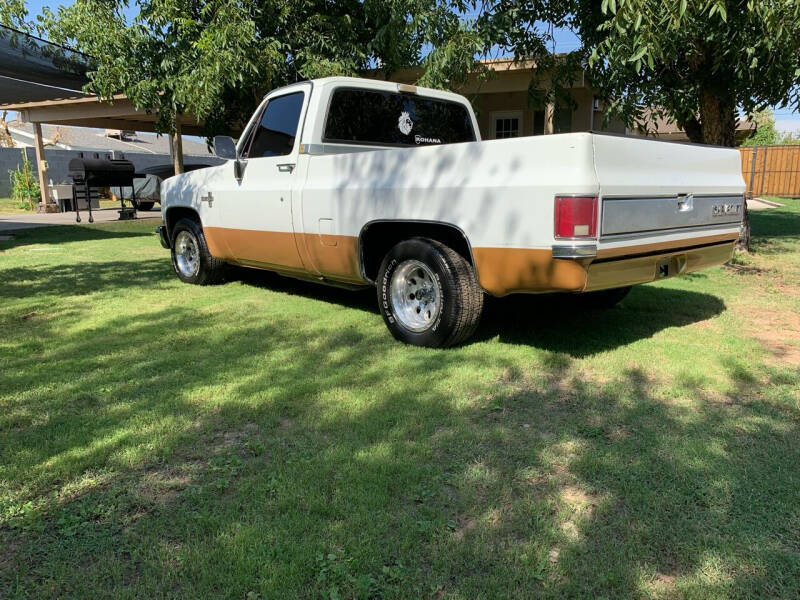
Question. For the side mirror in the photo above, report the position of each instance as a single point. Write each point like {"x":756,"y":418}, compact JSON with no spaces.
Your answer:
{"x":225,"y":147}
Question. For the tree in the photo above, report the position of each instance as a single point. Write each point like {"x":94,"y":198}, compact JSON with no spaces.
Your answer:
{"x":766,"y":133}
{"x":699,"y":61}
{"x":13,"y":13}
{"x":216,"y":59}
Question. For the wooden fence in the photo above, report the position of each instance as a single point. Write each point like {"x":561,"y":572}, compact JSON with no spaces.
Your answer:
{"x":771,"y":170}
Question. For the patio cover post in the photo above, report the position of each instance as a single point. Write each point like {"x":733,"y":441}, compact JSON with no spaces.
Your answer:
{"x":176,"y":148}
{"x":41,"y":165}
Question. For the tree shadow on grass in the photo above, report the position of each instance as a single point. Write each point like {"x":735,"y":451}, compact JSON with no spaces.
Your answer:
{"x":58,"y":234}
{"x":774,"y":222}
{"x":83,"y":278}
{"x":563,"y":323}
{"x":332,"y":460}
{"x":553,"y":322}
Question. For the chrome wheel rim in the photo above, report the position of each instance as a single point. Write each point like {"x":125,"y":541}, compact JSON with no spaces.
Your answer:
{"x":415,"y":295}
{"x":187,"y":254}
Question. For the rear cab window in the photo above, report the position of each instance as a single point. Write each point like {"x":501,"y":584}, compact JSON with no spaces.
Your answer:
{"x":385,"y":118}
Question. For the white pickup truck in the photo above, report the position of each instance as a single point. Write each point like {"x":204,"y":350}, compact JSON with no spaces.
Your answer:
{"x":357,"y":182}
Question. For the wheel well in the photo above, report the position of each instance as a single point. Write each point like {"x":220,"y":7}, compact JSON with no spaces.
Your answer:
{"x":176,"y":214}
{"x":377,"y":238}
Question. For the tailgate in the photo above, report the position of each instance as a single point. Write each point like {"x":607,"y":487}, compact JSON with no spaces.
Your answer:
{"x":652,"y":188}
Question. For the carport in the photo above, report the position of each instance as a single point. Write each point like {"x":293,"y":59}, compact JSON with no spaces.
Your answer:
{"x":43,"y":81}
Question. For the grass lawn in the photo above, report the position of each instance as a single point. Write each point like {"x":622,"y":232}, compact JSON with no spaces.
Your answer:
{"x":268,"y":439}
{"x":9,"y":206}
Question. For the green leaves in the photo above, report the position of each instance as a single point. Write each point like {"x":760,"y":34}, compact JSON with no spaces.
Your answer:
{"x":216,"y":59}
{"x":697,"y":60}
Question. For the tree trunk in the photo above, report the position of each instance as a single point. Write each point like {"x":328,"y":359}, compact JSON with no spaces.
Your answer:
{"x":718,"y":116}
{"x":694,"y":130}
{"x":744,"y":237}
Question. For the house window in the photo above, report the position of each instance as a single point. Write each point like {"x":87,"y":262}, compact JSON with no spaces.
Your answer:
{"x":507,"y":124}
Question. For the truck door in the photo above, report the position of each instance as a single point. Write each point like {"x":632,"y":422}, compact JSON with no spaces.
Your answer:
{"x":256,"y":213}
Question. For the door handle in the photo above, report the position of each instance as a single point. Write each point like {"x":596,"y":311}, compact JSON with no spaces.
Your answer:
{"x":286,"y":167}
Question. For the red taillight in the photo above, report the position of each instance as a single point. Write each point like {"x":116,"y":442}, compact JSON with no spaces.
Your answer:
{"x":576,"y":216}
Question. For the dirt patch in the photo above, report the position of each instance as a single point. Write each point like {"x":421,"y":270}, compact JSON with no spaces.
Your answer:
{"x":662,"y":580}
{"x":778,"y":331}
{"x":8,"y":555}
{"x":579,"y":506}
{"x":162,"y":486}
{"x":463,"y":527}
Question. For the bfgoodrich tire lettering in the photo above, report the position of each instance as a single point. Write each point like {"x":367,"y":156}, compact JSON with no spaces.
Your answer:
{"x":447,"y":290}
{"x":191,"y":259}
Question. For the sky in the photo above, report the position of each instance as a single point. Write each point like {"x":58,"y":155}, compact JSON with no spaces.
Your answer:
{"x":565,"y":40}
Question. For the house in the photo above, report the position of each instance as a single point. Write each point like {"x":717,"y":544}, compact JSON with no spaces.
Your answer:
{"x":503,"y":107}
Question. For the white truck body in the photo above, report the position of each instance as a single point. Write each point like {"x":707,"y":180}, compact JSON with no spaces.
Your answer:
{"x":662,"y":208}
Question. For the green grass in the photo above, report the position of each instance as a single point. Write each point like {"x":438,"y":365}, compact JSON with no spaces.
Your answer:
{"x":7,"y":205}
{"x":268,"y":439}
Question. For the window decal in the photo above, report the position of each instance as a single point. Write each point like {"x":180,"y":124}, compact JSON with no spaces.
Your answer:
{"x":404,"y":123}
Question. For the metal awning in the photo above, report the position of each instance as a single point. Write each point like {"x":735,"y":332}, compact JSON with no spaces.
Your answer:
{"x":33,"y":70}
{"x":43,"y":81}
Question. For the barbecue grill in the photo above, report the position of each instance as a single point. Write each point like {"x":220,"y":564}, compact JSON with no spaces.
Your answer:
{"x":88,"y":173}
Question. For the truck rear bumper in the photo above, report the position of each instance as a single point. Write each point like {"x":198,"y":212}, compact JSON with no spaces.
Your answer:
{"x":619,"y":272}
{"x":503,"y":271}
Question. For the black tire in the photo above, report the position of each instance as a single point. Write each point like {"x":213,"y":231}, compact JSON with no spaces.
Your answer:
{"x":209,"y":270}
{"x":144,"y":205}
{"x":460,"y":296}
{"x":604,"y":298}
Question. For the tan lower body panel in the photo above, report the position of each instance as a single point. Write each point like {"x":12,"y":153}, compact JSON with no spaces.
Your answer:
{"x":500,"y":271}
{"x":332,"y":256}
{"x":503,"y":271}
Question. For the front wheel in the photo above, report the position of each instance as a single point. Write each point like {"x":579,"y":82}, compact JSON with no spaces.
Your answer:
{"x":191,"y":259}
{"x":428,"y":294}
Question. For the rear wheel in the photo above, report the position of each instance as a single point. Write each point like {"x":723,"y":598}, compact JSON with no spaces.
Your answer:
{"x":191,"y":259}
{"x":428,"y":294}
{"x":604,"y":298}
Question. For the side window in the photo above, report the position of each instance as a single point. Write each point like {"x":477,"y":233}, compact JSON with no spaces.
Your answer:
{"x":274,"y":135}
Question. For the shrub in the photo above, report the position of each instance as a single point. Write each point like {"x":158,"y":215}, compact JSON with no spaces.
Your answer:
{"x":24,"y":184}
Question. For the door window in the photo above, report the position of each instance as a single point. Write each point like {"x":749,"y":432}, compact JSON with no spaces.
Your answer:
{"x":276,"y":130}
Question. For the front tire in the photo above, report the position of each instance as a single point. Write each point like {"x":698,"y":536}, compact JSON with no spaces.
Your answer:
{"x":191,"y":259}
{"x":428,"y":294}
